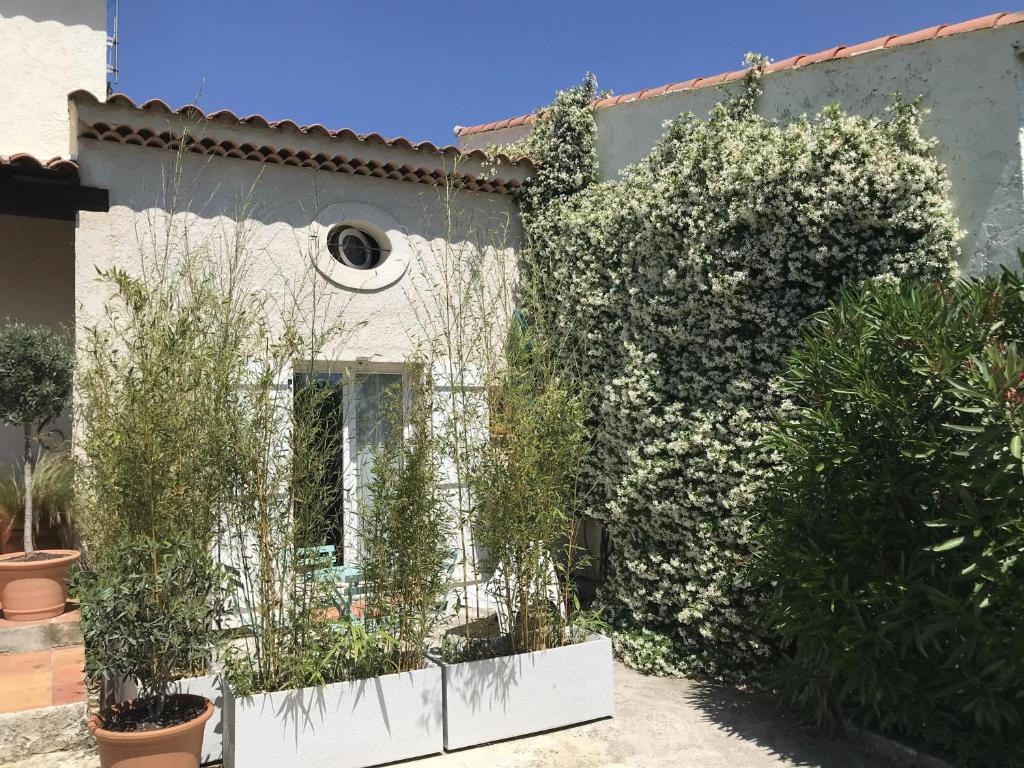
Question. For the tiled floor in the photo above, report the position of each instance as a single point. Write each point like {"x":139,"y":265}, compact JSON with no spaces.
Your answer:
{"x":41,"y":679}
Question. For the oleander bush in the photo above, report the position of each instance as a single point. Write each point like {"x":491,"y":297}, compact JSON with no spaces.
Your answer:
{"x":149,"y":612}
{"x":895,"y":528}
{"x":678,"y":289}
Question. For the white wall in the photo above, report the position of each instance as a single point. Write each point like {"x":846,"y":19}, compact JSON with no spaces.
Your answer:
{"x":382,"y":325}
{"x":48,"y":48}
{"x":36,"y":287}
{"x":972,"y":83}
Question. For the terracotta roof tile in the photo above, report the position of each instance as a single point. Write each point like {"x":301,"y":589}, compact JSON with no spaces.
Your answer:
{"x":914,"y":37}
{"x":683,"y":86}
{"x":985,"y":22}
{"x":208,"y":145}
{"x":193,"y":112}
{"x":871,"y":45}
{"x":803,"y":60}
{"x":714,"y":79}
{"x":814,"y":58}
{"x":1010,"y":18}
{"x":22,"y":162}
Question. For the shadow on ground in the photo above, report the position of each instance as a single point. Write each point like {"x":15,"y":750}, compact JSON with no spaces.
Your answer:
{"x":756,"y":719}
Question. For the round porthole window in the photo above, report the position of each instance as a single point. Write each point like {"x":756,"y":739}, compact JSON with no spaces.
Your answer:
{"x":354,"y":248}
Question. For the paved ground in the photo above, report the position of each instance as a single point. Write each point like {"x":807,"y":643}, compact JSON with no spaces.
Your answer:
{"x":659,"y":723}
{"x":669,"y":723}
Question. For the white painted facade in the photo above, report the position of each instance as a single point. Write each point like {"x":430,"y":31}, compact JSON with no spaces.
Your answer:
{"x":48,"y":48}
{"x":53,"y":55}
{"x":972,"y":83}
{"x":289,"y":212}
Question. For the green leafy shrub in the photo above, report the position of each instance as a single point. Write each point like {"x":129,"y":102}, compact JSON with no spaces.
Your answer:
{"x":527,"y":496}
{"x":405,"y":533}
{"x":149,"y":609}
{"x":895,"y":529}
{"x":678,"y":289}
{"x":35,"y":373}
{"x":36,"y":365}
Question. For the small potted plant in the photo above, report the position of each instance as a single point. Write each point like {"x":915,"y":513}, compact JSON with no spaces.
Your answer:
{"x":149,"y":612}
{"x":35,"y":387}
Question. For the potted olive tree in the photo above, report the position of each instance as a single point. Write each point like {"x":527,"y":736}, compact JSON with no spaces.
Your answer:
{"x":35,"y":387}
{"x":149,"y":611}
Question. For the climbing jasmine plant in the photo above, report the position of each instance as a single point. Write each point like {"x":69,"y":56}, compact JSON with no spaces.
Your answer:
{"x":677,"y":289}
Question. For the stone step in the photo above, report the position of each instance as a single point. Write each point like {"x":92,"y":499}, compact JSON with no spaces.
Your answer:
{"x":21,"y":637}
{"x":43,"y":733}
{"x":79,"y":758}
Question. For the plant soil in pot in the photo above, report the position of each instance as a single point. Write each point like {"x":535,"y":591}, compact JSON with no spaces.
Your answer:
{"x":135,"y":734}
{"x":33,"y":586}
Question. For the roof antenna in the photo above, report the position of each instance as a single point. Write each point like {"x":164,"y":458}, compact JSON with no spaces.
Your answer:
{"x":112,"y":42}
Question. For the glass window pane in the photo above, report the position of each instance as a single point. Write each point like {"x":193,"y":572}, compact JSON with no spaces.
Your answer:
{"x":374,"y":394}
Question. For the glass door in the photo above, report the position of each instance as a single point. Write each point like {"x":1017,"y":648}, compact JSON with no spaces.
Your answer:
{"x":355,"y":412}
{"x":376,"y":398}
{"x":330,"y":407}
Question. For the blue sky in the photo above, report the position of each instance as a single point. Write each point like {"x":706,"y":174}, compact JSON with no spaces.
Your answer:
{"x":418,"y":67}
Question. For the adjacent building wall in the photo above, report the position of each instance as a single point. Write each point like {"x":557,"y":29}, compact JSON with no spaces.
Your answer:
{"x":48,"y":48}
{"x":972,"y":83}
{"x":37,"y":264}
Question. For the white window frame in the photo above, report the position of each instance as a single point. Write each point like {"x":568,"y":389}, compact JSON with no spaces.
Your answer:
{"x":350,"y":371}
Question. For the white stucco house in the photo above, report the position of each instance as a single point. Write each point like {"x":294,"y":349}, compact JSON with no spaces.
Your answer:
{"x":364,"y":214}
{"x":83,"y":175}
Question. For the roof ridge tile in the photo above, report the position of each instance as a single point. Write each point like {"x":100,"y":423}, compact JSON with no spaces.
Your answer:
{"x":192,"y":111}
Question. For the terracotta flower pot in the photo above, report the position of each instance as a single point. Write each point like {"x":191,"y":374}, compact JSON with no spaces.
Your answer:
{"x":179,"y":746}
{"x":37,"y":589}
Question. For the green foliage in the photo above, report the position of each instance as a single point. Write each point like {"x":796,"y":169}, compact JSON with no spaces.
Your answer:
{"x":53,"y":494}
{"x":316,"y":652}
{"x":646,"y":651}
{"x":677,"y":291}
{"x":160,"y":372}
{"x":526,"y":493}
{"x":405,"y":534}
{"x":563,"y":143}
{"x":148,"y":612}
{"x":190,"y":431}
{"x":36,"y":363}
{"x":895,"y":531}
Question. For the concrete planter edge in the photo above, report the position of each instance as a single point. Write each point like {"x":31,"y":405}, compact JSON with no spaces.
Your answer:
{"x":354,"y":724}
{"x":509,"y":696}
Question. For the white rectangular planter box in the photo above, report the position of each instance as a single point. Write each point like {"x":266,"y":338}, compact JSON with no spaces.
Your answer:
{"x":208,"y":686}
{"x":344,"y":725}
{"x":509,"y":696}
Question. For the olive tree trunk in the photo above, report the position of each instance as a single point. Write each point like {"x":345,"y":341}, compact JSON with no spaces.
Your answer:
{"x":29,"y":466}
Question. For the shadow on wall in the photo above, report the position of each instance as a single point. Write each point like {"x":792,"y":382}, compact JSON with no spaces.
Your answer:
{"x":151,"y":182}
{"x":761,"y":721}
{"x":90,"y":13}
